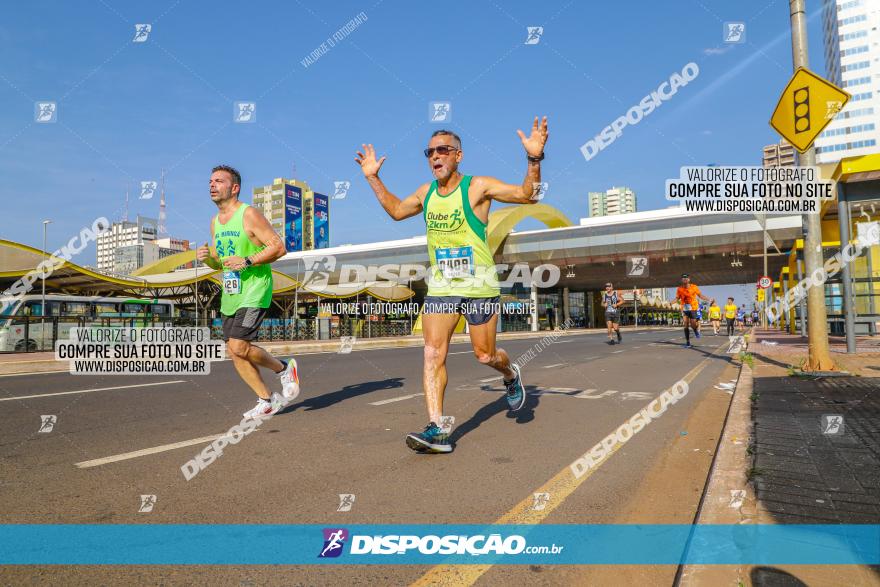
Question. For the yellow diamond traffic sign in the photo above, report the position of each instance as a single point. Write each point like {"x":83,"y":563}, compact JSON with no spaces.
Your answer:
{"x":807,"y":105}
{"x":760,"y":295}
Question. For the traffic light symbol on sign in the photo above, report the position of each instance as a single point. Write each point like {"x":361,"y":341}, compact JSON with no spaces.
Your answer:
{"x":801,"y":99}
{"x":804,"y":106}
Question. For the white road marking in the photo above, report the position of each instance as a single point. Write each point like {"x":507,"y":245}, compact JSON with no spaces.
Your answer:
{"x":460,"y":352}
{"x":589,"y":358}
{"x":587,"y":394}
{"x":555,"y":390}
{"x":146,"y":451}
{"x":639,"y":395}
{"x":554,"y":365}
{"x":615,"y":352}
{"x":395,"y":399}
{"x":491,"y":379}
{"x":7,"y":399}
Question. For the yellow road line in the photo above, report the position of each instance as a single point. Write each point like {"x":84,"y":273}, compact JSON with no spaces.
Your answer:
{"x":559,"y":487}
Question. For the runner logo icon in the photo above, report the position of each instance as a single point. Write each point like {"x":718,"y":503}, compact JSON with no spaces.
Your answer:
{"x":334,"y":541}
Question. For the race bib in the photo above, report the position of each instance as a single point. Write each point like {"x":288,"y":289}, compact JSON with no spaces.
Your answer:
{"x":231,"y":282}
{"x":455,"y":262}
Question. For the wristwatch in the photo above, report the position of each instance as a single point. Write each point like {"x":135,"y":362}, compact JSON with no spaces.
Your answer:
{"x":248,"y":262}
{"x":536,"y":159}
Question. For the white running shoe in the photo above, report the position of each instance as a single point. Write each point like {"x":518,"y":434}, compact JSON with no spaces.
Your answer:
{"x":290,"y":380}
{"x":264,"y":408}
{"x":258,"y":409}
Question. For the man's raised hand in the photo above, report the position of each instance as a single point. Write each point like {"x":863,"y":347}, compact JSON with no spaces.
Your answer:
{"x":367,"y":160}
{"x":534,"y":143}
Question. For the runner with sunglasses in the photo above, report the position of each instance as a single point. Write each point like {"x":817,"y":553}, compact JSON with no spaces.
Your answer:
{"x":462,"y":280}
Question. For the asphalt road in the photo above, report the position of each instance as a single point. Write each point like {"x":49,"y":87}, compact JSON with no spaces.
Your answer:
{"x":345,"y":435}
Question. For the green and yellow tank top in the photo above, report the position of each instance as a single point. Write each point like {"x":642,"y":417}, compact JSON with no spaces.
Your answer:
{"x":461,"y":264}
{"x":254,"y":284}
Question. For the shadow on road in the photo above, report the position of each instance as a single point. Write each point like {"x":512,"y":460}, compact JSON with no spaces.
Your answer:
{"x":523,"y":416}
{"x":346,"y":393}
{"x":772,"y":577}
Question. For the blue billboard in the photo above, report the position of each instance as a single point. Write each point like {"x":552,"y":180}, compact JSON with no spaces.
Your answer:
{"x":293,"y":218}
{"x":322,"y":221}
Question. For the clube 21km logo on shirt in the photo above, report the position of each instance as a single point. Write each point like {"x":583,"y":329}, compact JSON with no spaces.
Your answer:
{"x":445,"y":222}
{"x":335,"y":540}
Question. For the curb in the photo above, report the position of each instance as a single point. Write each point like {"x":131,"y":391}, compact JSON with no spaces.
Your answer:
{"x":729,"y":497}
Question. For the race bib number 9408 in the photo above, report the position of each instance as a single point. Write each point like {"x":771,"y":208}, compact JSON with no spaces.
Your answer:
{"x":455,"y":262}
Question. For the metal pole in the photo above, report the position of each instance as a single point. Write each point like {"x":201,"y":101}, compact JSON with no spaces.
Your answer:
{"x":764,"y":246}
{"x":196,"y":284}
{"x":817,"y":317}
{"x":801,"y":307}
{"x":636,"y":307}
{"x":43,"y":274}
{"x":43,"y":297}
{"x":843,"y":222}
{"x":787,"y":321}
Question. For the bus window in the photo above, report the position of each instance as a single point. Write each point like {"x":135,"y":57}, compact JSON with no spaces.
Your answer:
{"x":161,"y":309}
{"x":134,"y":308}
{"x":104,"y":308}
{"x":76,"y":308}
{"x":33,"y":308}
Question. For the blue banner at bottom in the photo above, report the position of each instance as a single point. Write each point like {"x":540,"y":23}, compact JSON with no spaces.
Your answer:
{"x":205,"y":544}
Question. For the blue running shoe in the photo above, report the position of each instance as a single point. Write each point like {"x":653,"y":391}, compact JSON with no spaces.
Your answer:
{"x":697,"y":333}
{"x":431,"y":440}
{"x":516,"y":391}
{"x":688,"y":345}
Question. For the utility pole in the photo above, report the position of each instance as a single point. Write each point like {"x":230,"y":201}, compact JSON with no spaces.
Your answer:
{"x":817,"y":318}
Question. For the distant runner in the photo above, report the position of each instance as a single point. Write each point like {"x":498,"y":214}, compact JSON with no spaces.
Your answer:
{"x":245,"y":245}
{"x":612,"y":301}
{"x":687,"y":294}
{"x":715,"y":317}
{"x":730,"y":316}
{"x":463,"y":279}
{"x":741,"y":317}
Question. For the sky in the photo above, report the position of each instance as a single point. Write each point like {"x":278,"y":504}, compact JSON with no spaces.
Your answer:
{"x":127,"y":110}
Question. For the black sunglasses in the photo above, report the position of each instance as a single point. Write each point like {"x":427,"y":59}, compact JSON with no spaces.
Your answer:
{"x":442,"y":149}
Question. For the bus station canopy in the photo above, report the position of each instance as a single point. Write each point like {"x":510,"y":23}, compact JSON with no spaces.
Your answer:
{"x":158,"y":279}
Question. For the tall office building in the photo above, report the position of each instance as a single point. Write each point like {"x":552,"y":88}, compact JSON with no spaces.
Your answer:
{"x":298,"y":214}
{"x":852,"y":61}
{"x":617,"y":200}
{"x":779,"y":155}
{"x":123,"y":234}
{"x":131,"y":245}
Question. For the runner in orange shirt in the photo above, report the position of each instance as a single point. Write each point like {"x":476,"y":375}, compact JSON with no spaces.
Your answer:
{"x":687,"y":294}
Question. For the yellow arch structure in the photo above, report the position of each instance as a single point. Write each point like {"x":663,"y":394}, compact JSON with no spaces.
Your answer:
{"x":501,"y":222}
{"x":166,"y":264}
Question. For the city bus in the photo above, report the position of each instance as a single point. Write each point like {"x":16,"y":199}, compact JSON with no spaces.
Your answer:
{"x":22,"y":327}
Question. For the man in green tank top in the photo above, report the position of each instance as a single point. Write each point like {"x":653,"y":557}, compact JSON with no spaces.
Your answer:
{"x":244,"y":247}
{"x":462,"y":278}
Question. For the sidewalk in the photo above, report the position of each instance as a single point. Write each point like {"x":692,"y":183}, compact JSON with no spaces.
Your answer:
{"x":781,"y":461}
{"x":12,"y":363}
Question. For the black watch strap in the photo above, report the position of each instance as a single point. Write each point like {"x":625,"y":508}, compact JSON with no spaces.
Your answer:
{"x":536,"y":159}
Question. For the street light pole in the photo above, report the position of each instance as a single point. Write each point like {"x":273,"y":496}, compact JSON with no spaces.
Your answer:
{"x":817,"y":319}
{"x":43,"y":274}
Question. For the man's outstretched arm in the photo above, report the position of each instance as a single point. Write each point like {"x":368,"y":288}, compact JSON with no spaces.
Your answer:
{"x":528,"y":191}
{"x":398,"y":209}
